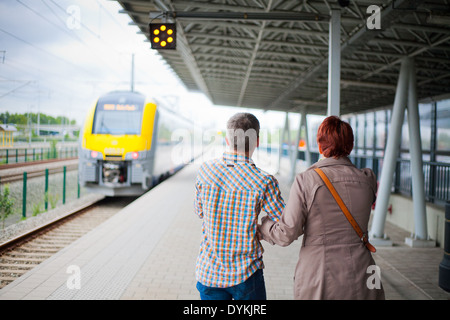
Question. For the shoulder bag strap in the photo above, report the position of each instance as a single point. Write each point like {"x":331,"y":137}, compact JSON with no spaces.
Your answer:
{"x":348,"y":215}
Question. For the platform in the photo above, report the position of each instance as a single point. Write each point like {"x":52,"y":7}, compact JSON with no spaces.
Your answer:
{"x":148,"y":251}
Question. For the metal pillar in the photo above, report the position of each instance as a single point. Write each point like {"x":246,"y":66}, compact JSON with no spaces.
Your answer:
{"x":418,"y":192}
{"x":390,"y":157}
{"x":334,"y":63}
{"x":303,"y":124}
{"x":308,"y":150}
{"x":280,"y":151}
{"x":444,"y":266}
{"x":420,"y":238}
{"x":296,"y":152}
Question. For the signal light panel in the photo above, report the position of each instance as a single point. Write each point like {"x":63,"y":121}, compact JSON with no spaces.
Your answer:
{"x":163,"y":35}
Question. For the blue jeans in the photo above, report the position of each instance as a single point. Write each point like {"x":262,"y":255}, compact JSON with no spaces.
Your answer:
{"x":253,"y":288}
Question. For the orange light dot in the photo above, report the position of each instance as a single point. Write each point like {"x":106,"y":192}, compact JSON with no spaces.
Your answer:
{"x":169,"y":32}
{"x":169,"y":39}
{"x":163,"y":43}
{"x":156,"y":32}
{"x":156,"y":39}
{"x":163,"y":28}
{"x":302,"y":143}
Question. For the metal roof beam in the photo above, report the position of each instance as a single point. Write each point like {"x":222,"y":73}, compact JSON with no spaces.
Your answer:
{"x":263,"y":42}
{"x":187,"y":55}
{"x":246,"y":52}
{"x":363,"y":35}
{"x":246,"y":16}
{"x":253,"y":57}
{"x":411,"y":55}
{"x":190,"y":5}
{"x":292,"y":31}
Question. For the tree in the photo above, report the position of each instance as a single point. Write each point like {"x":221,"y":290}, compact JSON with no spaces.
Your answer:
{"x":22,"y":119}
{"x":6,"y":205}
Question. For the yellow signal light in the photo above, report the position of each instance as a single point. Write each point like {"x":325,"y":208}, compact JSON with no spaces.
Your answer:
{"x":163,"y":35}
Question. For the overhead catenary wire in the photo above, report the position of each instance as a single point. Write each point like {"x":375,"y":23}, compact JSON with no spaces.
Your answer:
{"x":41,"y":49}
{"x":67,"y":32}
{"x":73,"y":35}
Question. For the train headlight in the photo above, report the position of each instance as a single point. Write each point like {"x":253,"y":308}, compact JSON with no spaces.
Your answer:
{"x":135,"y":155}
{"x":92,"y":154}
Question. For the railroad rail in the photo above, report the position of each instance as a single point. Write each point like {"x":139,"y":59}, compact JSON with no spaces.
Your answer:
{"x":22,"y":253}
{"x":33,"y":172}
{"x":33,"y":163}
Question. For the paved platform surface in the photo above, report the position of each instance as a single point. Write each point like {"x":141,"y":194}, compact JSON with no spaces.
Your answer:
{"x":149,"y":249}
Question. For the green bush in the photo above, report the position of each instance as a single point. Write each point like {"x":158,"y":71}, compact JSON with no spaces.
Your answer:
{"x":6,"y":204}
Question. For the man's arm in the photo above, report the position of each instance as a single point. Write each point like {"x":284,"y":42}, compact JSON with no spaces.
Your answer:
{"x":290,"y":226}
{"x":198,"y":208}
{"x":273,"y":203}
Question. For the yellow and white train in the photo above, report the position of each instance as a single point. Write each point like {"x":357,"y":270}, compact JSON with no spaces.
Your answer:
{"x":126,"y":144}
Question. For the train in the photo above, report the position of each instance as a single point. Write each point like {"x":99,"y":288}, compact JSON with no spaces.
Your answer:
{"x":129,"y":143}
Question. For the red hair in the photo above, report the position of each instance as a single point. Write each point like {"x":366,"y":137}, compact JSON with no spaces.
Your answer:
{"x":335,"y":137}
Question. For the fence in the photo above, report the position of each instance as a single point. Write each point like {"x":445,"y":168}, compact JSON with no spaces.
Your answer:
{"x":20,"y":155}
{"x":436,"y":175}
{"x":40,"y":194}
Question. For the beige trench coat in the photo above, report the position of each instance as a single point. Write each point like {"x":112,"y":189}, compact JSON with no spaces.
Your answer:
{"x":333,"y":262}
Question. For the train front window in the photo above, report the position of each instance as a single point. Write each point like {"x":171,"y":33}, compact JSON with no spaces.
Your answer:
{"x":117,"y":119}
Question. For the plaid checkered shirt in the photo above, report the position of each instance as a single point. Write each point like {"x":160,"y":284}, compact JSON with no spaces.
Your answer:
{"x":230,"y":193}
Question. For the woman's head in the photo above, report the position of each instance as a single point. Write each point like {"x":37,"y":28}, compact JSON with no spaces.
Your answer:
{"x":335,"y":137}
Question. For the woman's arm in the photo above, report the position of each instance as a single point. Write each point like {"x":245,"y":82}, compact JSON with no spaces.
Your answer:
{"x":290,"y":226}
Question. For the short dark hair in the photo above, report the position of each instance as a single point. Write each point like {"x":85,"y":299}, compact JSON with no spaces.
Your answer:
{"x":243,"y":131}
{"x":335,"y":137}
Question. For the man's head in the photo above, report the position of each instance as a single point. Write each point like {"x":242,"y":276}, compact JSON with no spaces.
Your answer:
{"x":243,"y":133}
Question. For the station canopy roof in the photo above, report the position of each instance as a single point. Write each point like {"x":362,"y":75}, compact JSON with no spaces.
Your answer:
{"x":274,"y":64}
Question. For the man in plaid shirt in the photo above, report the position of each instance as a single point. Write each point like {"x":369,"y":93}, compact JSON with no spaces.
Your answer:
{"x":230,"y":192}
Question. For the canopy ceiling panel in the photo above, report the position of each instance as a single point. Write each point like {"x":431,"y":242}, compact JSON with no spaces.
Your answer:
{"x":275,"y":64}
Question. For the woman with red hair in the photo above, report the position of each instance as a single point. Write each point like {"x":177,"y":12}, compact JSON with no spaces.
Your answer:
{"x":335,"y":261}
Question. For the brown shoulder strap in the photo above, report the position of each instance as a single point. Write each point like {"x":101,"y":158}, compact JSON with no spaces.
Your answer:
{"x":345,"y":210}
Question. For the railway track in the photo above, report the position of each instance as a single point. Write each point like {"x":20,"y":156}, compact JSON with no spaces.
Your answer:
{"x":33,"y":171}
{"x":33,"y":163}
{"x":23,"y":253}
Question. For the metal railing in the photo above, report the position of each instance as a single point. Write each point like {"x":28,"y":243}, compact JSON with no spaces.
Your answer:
{"x":436,"y":175}
{"x":41,"y":190}
{"x":21,"y":155}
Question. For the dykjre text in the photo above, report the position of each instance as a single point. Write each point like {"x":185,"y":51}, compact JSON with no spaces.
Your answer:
{"x":231,"y":309}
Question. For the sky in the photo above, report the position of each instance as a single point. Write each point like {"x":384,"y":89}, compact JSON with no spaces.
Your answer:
{"x":58,"y":56}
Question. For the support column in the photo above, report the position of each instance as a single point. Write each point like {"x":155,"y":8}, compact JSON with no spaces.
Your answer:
{"x":280,"y":151}
{"x":302,"y":124}
{"x":334,"y":63}
{"x":295,"y":152}
{"x":420,"y":238}
{"x":308,"y":150}
{"x":390,"y":158}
